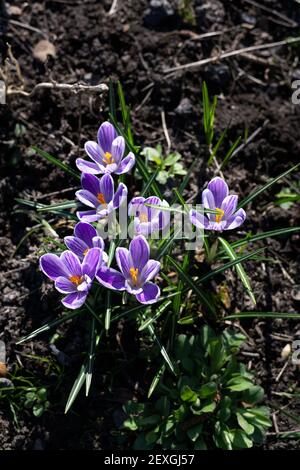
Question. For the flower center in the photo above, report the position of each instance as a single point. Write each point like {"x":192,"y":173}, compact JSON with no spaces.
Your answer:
{"x":219,"y":215}
{"x":143,"y":217}
{"x":108,"y":158}
{"x":101,"y":199}
{"x":86,"y":251}
{"x":134,"y":275}
{"x":77,"y":280}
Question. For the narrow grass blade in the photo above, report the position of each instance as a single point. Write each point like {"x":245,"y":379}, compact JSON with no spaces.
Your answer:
{"x":239,"y":268}
{"x":262,"y":235}
{"x":162,"y":349}
{"x":125,"y":114}
{"x":60,"y":206}
{"x":217,"y":146}
{"x":204,"y":299}
{"x":50,"y":325}
{"x":228,"y":265}
{"x":230,"y":152}
{"x":56,"y":162}
{"x":266,"y":186}
{"x":156,"y":380}
{"x":262,"y":315}
{"x":158,"y":313}
{"x":108,"y":311}
{"x":76,"y":388}
{"x":185,"y":180}
{"x":149,"y":183}
{"x":91,"y":356}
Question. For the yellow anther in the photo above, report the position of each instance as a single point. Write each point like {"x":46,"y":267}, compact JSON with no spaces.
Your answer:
{"x":76,"y":279}
{"x":219,"y":215}
{"x":86,"y":251}
{"x":108,"y":158}
{"x":143,"y":217}
{"x":134,"y":275}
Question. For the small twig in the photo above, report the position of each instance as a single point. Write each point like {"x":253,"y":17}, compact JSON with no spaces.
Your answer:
{"x":250,"y":138}
{"x":113,"y":8}
{"x":236,"y":52}
{"x":282,"y":371}
{"x":165,"y":129}
{"x":275,"y":424}
{"x":287,"y":20}
{"x":75,"y":88}
{"x":26,"y":26}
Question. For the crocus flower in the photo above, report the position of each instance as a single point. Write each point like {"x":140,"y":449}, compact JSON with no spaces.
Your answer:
{"x":72,"y":277}
{"x":148,"y":219}
{"x":216,"y":197}
{"x":137,"y":270}
{"x":100,"y":195}
{"x":85,"y":237}
{"x":107,"y":154}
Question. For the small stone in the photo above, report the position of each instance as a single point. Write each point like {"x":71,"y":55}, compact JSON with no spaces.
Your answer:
{"x":184,"y":107}
{"x":161,"y":15}
{"x":13,"y":10}
{"x":249,"y":19}
{"x":43,"y":49}
{"x":286,"y":351}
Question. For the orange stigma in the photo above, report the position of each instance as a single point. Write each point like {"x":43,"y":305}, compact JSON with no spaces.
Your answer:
{"x":134,"y":275}
{"x":108,"y":159}
{"x":76,"y":279}
{"x":101,"y":199}
{"x":219,"y":215}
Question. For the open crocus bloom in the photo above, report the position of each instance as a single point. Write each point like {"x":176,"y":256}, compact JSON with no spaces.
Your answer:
{"x":137,"y":270}
{"x":70,"y":275}
{"x":216,"y":197}
{"x":100,"y":195}
{"x":148,"y":219}
{"x":107,"y":154}
{"x":85,"y":237}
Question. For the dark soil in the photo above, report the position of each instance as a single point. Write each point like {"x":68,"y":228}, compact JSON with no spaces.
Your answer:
{"x":137,"y":47}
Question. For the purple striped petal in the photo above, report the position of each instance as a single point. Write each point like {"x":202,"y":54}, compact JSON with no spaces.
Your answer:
{"x":107,"y":187}
{"x":93,"y":151}
{"x":98,"y":242}
{"x":229,"y":205}
{"x":219,"y":189}
{"x":86,"y":232}
{"x":120,"y":196}
{"x":91,"y":262}
{"x":235,"y":220}
{"x":76,"y":245}
{"x":118,"y":149}
{"x":88,"y":216}
{"x":150,"y":294}
{"x":139,"y":251}
{"x":124,"y":262}
{"x":208,"y":200}
{"x":90,"y":183}
{"x":87,"y":198}
{"x":88,"y":167}
{"x":126,"y":164}
{"x":151,"y":211}
{"x":52,"y":266}
{"x":64,"y":285}
{"x":198,"y":219}
{"x":72,"y":263}
{"x":111,"y":278}
{"x":74,"y":300}
{"x":106,"y":136}
{"x":131,"y":289}
{"x":133,"y":206}
{"x":150,"y":270}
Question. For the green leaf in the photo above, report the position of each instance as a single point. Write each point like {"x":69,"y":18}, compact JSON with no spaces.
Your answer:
{"x":202,"y":296}
{"x":262,"y":315}
{"x":239,"y":268}
{"x":156,"y":380}
{"x":125,"y":114}
{"x":230,"y":152}
{"x":130,"y":424}
{"x":187,"y":394}
{"x":76,"y":387}
{"x":263,"y":235}
{"x":244,"y":424}
{"x":91,"y":356}
{"x":56,"y":162}
{"x":209,"y":407}
{"x":240,"y":440}
{"x":38,"y":409}
{"x":208,"y":390}
{"x":162,"y":349}
{"x":48,"y":326}
{"x":108,"y":310}
{"x":158,"y":313}
{"x":266,"y":186}
{"x":195,"y":432}
{"x":238,"y":384}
